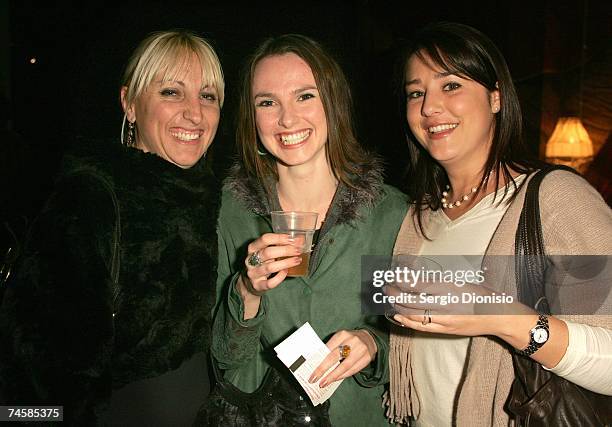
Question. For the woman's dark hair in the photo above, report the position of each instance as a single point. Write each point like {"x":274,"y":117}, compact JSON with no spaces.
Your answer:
{"x":344,"y":153}
{"x":467,"y":53}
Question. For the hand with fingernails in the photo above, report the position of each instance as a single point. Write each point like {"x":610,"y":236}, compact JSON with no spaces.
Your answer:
{"x":466,"y":319}
{"x":269,"y":257}
{"x":354,"y":349}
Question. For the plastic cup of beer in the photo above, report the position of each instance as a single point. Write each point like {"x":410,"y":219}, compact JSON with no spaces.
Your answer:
{"x":300,"y":226}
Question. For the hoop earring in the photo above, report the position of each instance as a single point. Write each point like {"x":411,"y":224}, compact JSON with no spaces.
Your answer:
{"x":260,"y":152}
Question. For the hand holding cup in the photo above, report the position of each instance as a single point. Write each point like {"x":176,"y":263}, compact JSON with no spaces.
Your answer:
{"x":300,"y":226}
{"x":286,"y":252}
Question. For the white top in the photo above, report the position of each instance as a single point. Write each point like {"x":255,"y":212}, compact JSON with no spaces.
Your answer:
{"x":439,"y":359}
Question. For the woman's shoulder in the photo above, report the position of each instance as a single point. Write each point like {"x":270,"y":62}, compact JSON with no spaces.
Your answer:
{"x":85,"y":175}
{"x":80,"y":210}
{"x":392,"y":198}
{"x":575,"y":218}
{"x":390,"y":208}
{"x":563,"y":177}
{"x":393,"y":193}
{"x":229,"y":198}
{"x":567,"y":188}
{"x":238,"y":199}
{"x":100,"y":158}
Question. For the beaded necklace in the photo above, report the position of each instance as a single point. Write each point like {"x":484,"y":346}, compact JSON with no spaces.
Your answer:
{"x":456,"y":203}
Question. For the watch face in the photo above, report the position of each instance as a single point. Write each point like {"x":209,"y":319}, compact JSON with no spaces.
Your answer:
{"x":540,"y":335}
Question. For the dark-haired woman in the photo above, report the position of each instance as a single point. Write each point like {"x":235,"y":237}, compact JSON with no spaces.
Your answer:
{"x":299,"y":153}
{"x":469,"y":170}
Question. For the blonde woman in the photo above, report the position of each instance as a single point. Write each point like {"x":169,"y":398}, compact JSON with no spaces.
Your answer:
{"x":108,"y":314}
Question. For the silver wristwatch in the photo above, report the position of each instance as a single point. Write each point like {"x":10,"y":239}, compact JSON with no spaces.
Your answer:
{"x":538,"y":336}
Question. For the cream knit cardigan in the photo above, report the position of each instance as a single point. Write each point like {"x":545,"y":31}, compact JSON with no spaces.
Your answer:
{"x":575,"y":221}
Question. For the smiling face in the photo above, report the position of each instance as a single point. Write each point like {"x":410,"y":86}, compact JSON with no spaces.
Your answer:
{"x":289,"y":114}
{"x":450,"y":116}
{"x":176,"y":119}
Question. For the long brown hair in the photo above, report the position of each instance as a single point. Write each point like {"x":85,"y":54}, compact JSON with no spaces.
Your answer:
{"x":344,"y":153}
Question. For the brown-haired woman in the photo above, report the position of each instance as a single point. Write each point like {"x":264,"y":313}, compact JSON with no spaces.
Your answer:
{"x":299,"y":152}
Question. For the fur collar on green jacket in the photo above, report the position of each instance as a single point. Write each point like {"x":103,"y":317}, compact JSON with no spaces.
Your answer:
{"x":366,"y":189}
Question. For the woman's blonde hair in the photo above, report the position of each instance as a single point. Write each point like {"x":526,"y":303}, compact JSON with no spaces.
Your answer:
{"x":167,"y":54}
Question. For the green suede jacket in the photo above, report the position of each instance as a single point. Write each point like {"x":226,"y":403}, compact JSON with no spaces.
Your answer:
{"x":362,"y":221}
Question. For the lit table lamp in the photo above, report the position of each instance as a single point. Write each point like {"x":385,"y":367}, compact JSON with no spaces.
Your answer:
{"x":570,"y":144}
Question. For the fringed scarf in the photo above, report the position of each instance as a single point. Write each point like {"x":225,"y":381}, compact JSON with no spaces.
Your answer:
{"x":403,"y":400}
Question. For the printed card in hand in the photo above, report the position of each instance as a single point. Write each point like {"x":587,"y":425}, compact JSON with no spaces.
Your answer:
{"x":302,"y":352}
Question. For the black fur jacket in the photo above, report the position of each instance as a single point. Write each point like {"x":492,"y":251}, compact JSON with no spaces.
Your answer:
{"x":68,"y":339}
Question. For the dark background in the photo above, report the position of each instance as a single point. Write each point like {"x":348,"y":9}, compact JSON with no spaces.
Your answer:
{"x":80,"y":49}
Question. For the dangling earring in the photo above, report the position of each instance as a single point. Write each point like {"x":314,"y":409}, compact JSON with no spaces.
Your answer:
{"x":131,"y":134}
{"x":128,"y":139}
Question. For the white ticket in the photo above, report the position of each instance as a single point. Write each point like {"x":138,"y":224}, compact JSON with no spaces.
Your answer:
{"x":302,"y":352}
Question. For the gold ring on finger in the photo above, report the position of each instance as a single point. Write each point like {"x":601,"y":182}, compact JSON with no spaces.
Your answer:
{"x":345,"y":351}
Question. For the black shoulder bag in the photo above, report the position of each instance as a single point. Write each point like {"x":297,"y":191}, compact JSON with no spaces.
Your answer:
{"x":538,"y":397}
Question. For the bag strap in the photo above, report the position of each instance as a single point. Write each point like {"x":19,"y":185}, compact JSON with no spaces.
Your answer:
{"x":530,"y":260}
{"x":115,"y":264}
{"x":116,"y":243}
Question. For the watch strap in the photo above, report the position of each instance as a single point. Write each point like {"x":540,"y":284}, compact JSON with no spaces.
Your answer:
{"x":534,"y":346}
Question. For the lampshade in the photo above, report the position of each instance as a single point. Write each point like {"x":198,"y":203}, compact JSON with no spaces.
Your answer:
{"x":569,"y":140}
